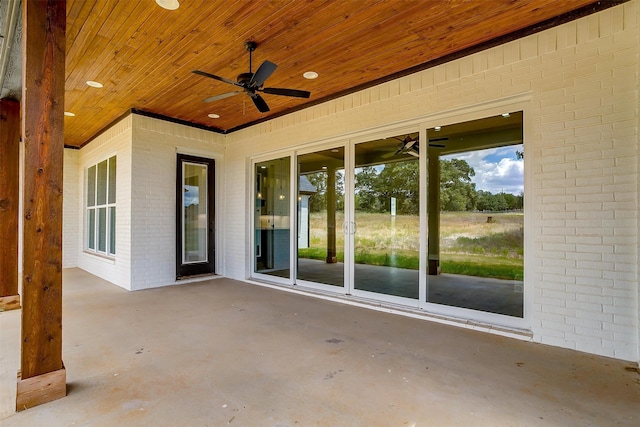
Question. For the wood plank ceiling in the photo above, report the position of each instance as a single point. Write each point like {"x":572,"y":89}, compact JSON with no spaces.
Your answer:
{"x":144,"y":55}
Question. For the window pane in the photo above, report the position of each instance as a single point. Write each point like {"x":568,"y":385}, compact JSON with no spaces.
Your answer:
{"x":320,"y":217}
{"x":194,"y":214}
{"x":387,"y":207}
{"x":102,"y":229}
{"x":112,"y":230}
{"x":102,"y":183}
{"x":272,"y":224}
{"x":112,"y":179}
{"x":91,"y":186}
{"x":476,"y":220}
{"x":91,"y":228}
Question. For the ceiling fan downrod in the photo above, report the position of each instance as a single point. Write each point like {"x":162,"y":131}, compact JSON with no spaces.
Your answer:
{"x":250,"y":46}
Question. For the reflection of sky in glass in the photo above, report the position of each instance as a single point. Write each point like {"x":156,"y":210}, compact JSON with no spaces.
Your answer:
{"x":191,"y":196}
{"x":497,"y":169}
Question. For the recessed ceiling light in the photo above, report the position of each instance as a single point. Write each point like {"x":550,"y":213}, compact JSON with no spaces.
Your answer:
{"x":310,"y":75}
{"x":168,"y":4}
{"x":437,"y":128}
{"x":69,"y":114}
{"x":324,"y":167}
{"x":94,"y":84}
{"x":213,"y":116}
{"x":505,"y":114}
{"x":335,"y":150}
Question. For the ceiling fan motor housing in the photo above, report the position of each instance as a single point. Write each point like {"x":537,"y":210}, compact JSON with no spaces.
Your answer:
{"x":244,"y":78}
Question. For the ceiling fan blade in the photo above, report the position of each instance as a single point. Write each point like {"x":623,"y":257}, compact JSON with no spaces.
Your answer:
{"x":221,"y":96}
{"x":260,"y":104}
{"x":264,"y":71}
{"x":286,"y":92}
{"x":213,"y":76}
{"x":410,"y":143}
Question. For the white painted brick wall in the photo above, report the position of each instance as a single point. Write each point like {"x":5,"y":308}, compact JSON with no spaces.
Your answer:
{"x":71,"y":217}
{"x":115,"y":141}
{"x":582,"y":80}
{"x":153,"y":217}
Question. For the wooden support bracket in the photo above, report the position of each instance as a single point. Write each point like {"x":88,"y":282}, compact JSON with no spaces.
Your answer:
{"x":11,"y":302}
{"x":41,"y":389}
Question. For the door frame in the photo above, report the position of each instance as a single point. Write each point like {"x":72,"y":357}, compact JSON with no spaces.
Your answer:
{"x":208,"y":266}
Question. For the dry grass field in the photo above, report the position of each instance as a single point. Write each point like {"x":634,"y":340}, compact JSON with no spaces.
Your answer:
{"x":470,"y":242}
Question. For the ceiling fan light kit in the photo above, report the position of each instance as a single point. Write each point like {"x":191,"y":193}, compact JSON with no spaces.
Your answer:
{"x":250,"y":83}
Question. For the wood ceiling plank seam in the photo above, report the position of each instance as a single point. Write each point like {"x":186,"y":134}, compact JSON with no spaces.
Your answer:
{"x":77,"y":13}
{"x":267,"y":36}
{"x":148,"y":64}
{"x":381,"y":41}
{"x":167,"y":76}
{"x":118,"y":108}
{"x":474,"y":37}
{"x":167,"y":68}
{"x":116,"y":51}
{"x":97,"y":70}
{"x":264,"y":36}
{"x":341,"y":28}
{"x":532,"y":29}
{"x":365,"y":39}
{"x":107,"y":58}
{"x":274,"y":83}
{"x":84,"y":41}
{"x":330,"y":48}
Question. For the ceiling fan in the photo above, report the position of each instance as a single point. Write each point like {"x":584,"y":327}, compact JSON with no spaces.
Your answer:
{"x":251,"y":83}
{"x":408,"y":145}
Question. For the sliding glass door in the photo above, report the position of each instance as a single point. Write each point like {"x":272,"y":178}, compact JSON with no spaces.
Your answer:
{"x":431,"y":220}
{"x":272,"y":225}
{"x":320,"y":238}
{"x":386,"y":221}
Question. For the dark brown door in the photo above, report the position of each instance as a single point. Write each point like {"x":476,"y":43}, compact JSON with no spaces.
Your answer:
{"x":195,"y":216}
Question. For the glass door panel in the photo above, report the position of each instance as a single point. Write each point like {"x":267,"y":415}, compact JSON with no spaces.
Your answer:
{"x":194,"y":213}
{"x":195,"y":220}
{"x":272,"y":229}
{"x":476,"y":216}
{"x":386,"y":215}
{"x":320,"y":256}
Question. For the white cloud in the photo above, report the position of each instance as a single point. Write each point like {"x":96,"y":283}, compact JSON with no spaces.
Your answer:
{"x":497,"y":169}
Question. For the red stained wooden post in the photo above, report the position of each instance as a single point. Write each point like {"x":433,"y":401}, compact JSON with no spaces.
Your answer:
{"x":42,"y":376}
{"x":9,"y":193}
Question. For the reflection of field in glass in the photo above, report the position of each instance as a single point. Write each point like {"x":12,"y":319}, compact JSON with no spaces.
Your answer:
{"x":470,"y":242}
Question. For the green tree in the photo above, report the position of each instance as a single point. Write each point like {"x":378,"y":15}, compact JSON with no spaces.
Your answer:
{"x":399,"y":180}
{"x":365,"y":183}
{"x":318,"y":201}
{"x":457,"y":192}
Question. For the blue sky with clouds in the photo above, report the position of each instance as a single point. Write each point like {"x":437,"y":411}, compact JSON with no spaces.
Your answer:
{"x":497,"y":169}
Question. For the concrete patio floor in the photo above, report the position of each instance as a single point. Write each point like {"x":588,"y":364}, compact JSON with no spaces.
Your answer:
{"x":223,"y":352}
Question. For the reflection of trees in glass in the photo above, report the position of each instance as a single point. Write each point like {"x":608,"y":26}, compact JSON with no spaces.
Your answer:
{"x":457,"y":192}
{"x":318,"y":201}
{"x":376,"y":185}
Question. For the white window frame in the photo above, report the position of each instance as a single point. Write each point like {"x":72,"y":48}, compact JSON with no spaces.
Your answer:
{"x":108,"y":206}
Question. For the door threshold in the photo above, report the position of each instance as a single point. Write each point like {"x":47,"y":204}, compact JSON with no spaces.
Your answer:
{"x":197,"y":277}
